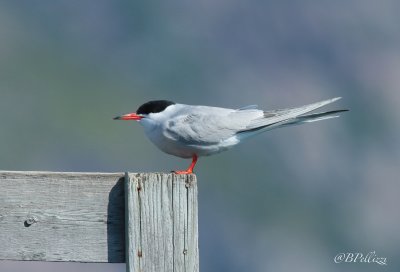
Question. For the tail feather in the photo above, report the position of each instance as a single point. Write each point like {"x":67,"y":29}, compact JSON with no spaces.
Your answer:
{"x":277,"y":116}
{"x":309,"y":118}
{"x":294,"y":116}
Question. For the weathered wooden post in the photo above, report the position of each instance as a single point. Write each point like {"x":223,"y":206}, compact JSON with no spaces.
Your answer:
{"x":87,"y":217}
{"x":161,"y":222}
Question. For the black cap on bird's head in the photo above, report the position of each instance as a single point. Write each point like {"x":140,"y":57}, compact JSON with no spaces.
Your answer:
{"x":153,"y":106}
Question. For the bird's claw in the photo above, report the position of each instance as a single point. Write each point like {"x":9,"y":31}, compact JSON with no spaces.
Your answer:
{"x":182,"y":172}
{"x":189,"y":170}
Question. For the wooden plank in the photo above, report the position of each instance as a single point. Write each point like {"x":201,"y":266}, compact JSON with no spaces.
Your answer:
{"x":50,"y":216}
{"x":161,"y":218}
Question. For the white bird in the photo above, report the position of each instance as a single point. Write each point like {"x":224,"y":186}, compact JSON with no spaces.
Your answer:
{"x":190,"y":131}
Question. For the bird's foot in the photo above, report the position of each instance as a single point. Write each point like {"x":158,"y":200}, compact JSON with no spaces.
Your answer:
{"x":183,"y":172}
{"x":189,"y":170}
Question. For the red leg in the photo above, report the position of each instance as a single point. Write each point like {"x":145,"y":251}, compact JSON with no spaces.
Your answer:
{"x":190,"y":169}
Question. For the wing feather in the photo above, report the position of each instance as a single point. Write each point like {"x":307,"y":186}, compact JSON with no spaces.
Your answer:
{"x":209,"y":125}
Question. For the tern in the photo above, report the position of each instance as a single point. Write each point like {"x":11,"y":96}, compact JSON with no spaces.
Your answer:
{"x":190,"y":131}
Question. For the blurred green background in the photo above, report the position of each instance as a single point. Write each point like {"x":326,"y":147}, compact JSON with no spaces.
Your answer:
{"x":288,"y":200}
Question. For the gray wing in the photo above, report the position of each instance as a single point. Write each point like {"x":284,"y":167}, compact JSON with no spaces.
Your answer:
{"x":209,"y":125}
{"x":200,"y":125}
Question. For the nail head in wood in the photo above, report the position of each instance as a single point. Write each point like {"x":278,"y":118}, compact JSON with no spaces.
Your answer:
{"x":30,"y":221}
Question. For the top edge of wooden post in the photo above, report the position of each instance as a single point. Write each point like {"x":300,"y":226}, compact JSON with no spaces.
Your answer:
{"x":161,"y":173}
{"x":90,"y":173}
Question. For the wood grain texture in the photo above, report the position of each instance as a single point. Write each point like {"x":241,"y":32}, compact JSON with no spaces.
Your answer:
{"x":50,"y":216}
{"x":161,"y":222}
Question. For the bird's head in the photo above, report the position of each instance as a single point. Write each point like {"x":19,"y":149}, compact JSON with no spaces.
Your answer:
{"x":148,"y":110}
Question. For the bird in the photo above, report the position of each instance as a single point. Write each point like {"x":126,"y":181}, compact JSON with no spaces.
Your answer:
{"x":192,"y":131}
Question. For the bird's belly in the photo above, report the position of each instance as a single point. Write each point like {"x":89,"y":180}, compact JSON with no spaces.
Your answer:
{"x":184,"y":150}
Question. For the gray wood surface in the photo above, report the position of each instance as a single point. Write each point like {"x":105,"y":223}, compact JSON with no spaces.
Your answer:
{"x":62,"y":216}
{"x":161,"y":223}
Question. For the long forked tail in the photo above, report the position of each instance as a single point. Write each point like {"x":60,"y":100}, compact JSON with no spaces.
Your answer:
{"x":293,"y":116}
{"x":313,"y":117}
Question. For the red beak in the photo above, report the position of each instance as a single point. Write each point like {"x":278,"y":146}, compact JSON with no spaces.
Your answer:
{"x":129,"y":116}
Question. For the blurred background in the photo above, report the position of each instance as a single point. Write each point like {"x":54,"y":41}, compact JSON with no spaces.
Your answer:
{"x":288,"y":200}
